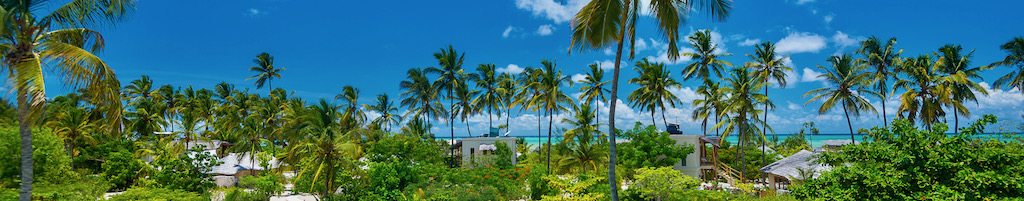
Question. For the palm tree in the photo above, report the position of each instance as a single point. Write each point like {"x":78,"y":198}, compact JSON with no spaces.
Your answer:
{"x":487,"y":79}
{"x":529,"y":79}
{"x":73,"y":124}
{"x":172,"y":99}
{"x":957,"y":68}
{"x":58,"y":38}
{"x":1015,"y":57}
{"x":508,"y":83}
{"x":350,"y":95}
{"x":386,"y":107}
{"x":594,"y":88}
{"x":654,"y":81}
{"x":140,"y":88}
{"x":417,"y":128}
{"x":451,"y":75}
{"x":767,"y":65}
{"x":742,"y":101}
{"x":144,"y":118}
{"x":705,"y":58}
{"x":420,"y":96}
{"x":551,"y":96}
{"x":265,"y":70}
{"x":325,"y":145}
{"x":709,"y":105}
{"x":848,"y":87}
{"x":883,"y":59}
{"x":601,"y":24}
{"x":584,"y":141}
{"x":464,"y":107}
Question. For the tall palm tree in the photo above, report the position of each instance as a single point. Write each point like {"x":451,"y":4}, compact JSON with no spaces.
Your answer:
{"x":767,"y":65}
{"x":386,"y":107}
{"x":709,"y":106}
{"x":883,"y":59}
{"x":140,"y":88}
{"x":265,"y":70}
{"x":849,"y":84}
{"x":464,"y":107}
{"x":584,"y":141}
{"x":72,"y":125}
{"x":743,"y":99}
{"x":1014,"y":58}
{"x":602,"y":24}
{"x":172,"y":99}
{"x":594,"y":89}
{"x":59,"y":38}
{"x":450,"y":76}
{"x":144,"y":118}
{"x":551,"y":96}
{"x":488,"y":81}
{"x":508,"y":84}
{"x":420,"y":96}
{"x":957,"y":68}
{"x":922,"y":101}
{"x":705,"y":59}
{"x":531,"y":90}
{"x":350,"y":95}
{"x":325,"y":145}
{"x":654,"y":81}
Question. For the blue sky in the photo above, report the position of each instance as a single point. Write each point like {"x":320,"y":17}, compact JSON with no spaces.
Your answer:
{"x":369,"y":44}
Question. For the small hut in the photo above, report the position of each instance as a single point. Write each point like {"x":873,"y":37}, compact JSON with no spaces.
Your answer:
{"x":780,"y":172}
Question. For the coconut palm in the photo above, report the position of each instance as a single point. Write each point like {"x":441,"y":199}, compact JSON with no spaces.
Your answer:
{"x":602,"y":24}
{"x":594,"y":88}
{"x":418,"y":128}
{"x":350,"y":95}
{"x":144,"y":118}
{"x":925,"y":94}
{"x":743,"y":99}
{"x":531,"y":90}
{"x":58,"y":38}
{"x":507,"y":83}
{"x":1014,"y":58}
{"x":450,"y":75}
{"x":386,"y":107}
{"x":464,"y":107}
{"x":551,"y":97}
{"x":883,"y":59}
{"x":705,"y":58}
{"x":420,"y":96}
{"x":487,"y":80}
{"x":709,"y":106}
{"x":654,"y":81}
{"x":848,"y":85}
{"x":73,"y":125}
{"x":957,"y":68}
{"x":140,"y":88}
{"x":768,"y":66}
{"x":172,"y":99}
{"x":265,"y":71}
{"x":325,"y":145}
{"x":585,"y":146}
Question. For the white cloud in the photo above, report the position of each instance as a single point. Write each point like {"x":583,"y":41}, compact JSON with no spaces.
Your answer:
{"x":508,"y":31}
{"x":811,"y":76}
{"x":793,"y":106}
{"x":640,"y":45}
{"x":828,"y":18}
{"x":550,"y":9}
{"x":801,"y":2}
{"x":716,"y":39}
{"x":662,"y":52}
{"x":750,"y":42}
{"x":799,"y":42}
{"x":545,"y":30}
{"x":511,"y":68}
{"x":842,"y":41}
{"x":578,"y":78}
{"x":608,"y":64}
{"x":255,"y":12}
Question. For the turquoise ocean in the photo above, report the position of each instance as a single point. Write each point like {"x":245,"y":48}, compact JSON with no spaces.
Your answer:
{"x":814,"y":140}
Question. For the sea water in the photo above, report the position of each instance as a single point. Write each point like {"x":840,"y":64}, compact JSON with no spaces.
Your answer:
{"x":815,"y":140}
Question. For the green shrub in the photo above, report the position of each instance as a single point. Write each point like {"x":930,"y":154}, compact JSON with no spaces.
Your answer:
{"x":905,"y":163}
{"x":264,"y":186}
{"x":86,"y":188}
{"x":663,"y":183}
{"x":51,"y":163}
{"x":157,"y":194}
{"x":649,"y":148}
{"x":187,"y":173}
{"x":122,"y":169}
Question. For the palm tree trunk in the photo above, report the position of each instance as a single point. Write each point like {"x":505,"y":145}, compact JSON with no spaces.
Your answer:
{"x":611,"y":116}
{"x":539,"y":136}
{"x":852,"y":140}
{"x":663,"y":119}
{"x":717,"y":129}
{"x":743,"y":144}
{"x":451,"y":106}
{"x":551,"y":120}
{"x":956,"y":122}
{"x":467,"y":128}
{"x":26,"y":145}
{"x":885,"y":119}
{"x":764,"y":130}
{"x":490,"y":122}
{"x":597,"y":114}
{"x":652,"y":119}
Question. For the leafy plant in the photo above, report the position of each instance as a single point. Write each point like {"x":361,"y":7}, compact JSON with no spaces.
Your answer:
{"x":122,"y":169}
{"x":663,"y":183}
{"x":649,"y":148}
{"x":186,"y":172}
{"x":264,"y":186}
{"x":576,"y":187}
{"x":157,"y":194}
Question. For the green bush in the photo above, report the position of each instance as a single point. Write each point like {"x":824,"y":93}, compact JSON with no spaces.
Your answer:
{"x":92,"y":157}
{"x":187,"y":173}
{"x":649,"y":148}
{"x":157,"y":194}
{"x":122,"y":169}
{"x":86,"y":188}
{"x":905,"y":163}
{"x":264,"y":186}
{"x":51,"y":163}
{"x":663,"y":183}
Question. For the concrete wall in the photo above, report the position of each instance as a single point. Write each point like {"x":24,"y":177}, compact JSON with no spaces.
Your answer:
{"x":475,"y":142}
{"x":692,"y":161}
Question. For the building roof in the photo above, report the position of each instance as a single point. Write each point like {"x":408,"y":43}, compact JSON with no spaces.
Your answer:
{"x":787,"y":167}
{"x":837,"y":143}
{"x":235,"y":162}
{"x":713,"y":140}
